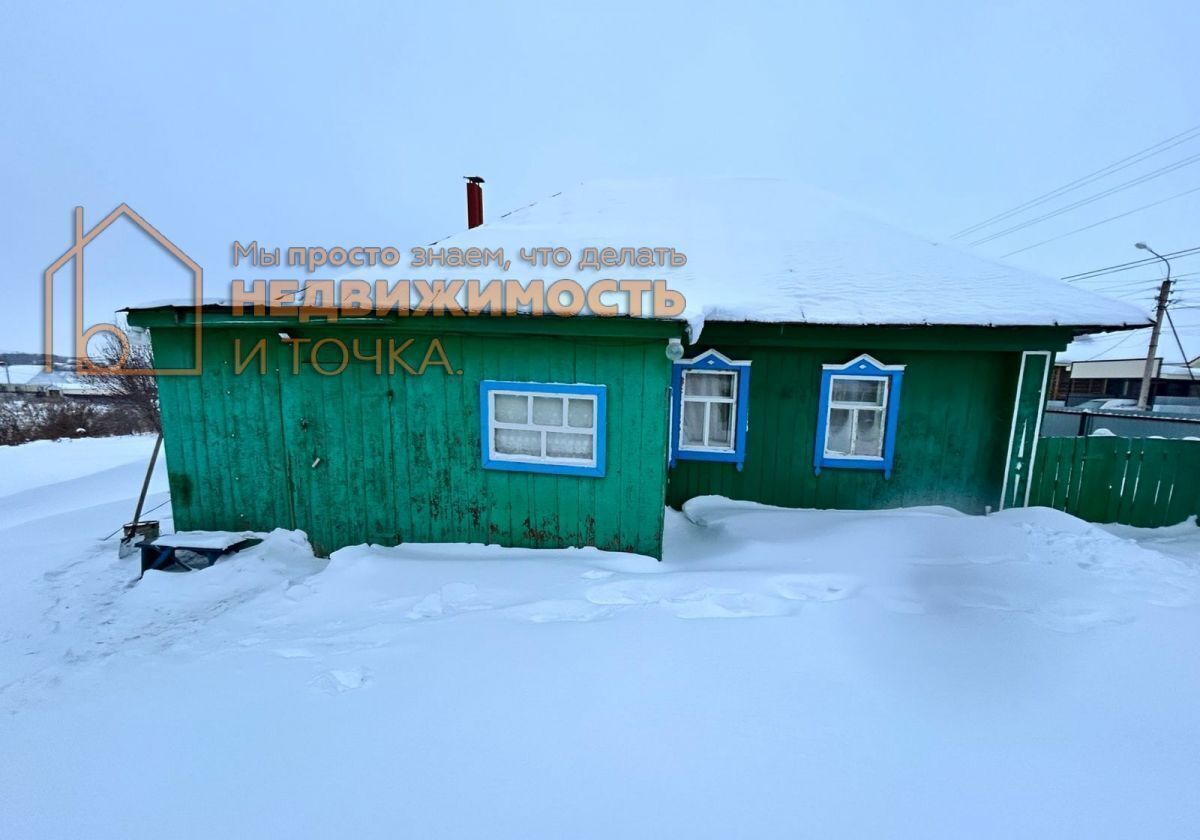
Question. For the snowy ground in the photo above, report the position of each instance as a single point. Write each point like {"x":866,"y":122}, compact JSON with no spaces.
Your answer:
{"x":912,"y":673}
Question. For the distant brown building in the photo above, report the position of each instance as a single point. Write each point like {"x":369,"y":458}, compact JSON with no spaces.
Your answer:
{"x":1076,"y":382}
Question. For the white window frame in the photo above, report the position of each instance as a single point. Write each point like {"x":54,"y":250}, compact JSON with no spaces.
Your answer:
{"x":684,"y":399}
{"x":854,"y":408}
{"x":530,"y":426}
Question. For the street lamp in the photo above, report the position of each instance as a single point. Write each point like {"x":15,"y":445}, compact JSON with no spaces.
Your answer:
{"x":1164,"y":291}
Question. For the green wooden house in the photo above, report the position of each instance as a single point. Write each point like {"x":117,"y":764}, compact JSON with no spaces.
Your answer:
{"x":822,"y":359}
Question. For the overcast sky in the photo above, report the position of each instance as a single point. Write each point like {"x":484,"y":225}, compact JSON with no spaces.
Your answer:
{"x":354,"y":123}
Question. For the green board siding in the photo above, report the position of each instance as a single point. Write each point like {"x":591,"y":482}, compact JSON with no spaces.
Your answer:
{"x":952,"y":434}
{"x":1134,"y":481}
{"x":391,"y":457}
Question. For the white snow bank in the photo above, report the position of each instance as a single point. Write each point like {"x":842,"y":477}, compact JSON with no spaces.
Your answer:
{"x":204,"y":539}
{"x":780,"y":674}
{"x":45,"y":462}
{"x":282,"y":560}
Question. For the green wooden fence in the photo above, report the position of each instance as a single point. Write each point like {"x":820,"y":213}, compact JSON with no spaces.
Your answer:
{"x":1135,"y":481}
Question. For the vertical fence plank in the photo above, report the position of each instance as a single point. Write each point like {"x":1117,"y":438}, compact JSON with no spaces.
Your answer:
{"x":1185,"y":475}
{"x":1139,"y":508}
{"x":1060,"y":473}
{"x":1093,"y":487}
{"x":1116,"y":483}
{"x":1079,"y":469}
{"x":1069,"y":471}
{"x":1043,"y":472}
{"x":1135,"y":481}
{"x":1143,"y":509}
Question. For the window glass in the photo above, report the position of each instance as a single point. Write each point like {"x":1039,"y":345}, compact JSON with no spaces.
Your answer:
{"x":709,"y":410}
{"x":703,"y":384}
{"x":708,"y":396}
{"x":858,"y":415}
{"x":580,"y":413}
{"x":693,"y":423}
{"x":563,"y":445}
{"x":720,"y":425}
{"x":868,"y":433}
{"x":857,"y":390}
{"x":837,"y":435}
{"x":512,"y":408}
{"x":518,"y":442}
{"x":543,"y":428}
{"x":548,"y":411}
{"x":856,"y":423}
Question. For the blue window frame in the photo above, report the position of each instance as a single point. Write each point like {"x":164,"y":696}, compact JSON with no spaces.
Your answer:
{"x":542,"y":427}
{"x":856,"y":426}
{"x":710,"y":409}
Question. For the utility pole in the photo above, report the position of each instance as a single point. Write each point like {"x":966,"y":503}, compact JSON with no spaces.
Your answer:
{"x":1164,"y":293}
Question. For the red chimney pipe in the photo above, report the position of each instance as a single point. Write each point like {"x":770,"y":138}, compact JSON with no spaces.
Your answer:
{"x":474,"y":201}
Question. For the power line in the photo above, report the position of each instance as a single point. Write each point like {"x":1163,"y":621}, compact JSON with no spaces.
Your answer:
{"x":1101,"y":222}
{"x":1143,"y":284}
{"x":1113,"y":347}
{"x":1113,"y":269}
{"x":1117,"y":282}
{"x":1134,"y":286}
{"x":1123,"y":163}
{"x":1140,"y":298}
{"x":1108,"y":290}
{"x":1187,"y":362}
{"x":1141,"y":179}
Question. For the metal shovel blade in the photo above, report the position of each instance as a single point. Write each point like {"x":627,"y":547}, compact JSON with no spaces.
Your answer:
{"x":134,"y":533}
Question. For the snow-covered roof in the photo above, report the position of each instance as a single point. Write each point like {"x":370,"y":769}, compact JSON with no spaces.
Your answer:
{"x":770,"y":250}
{"x":65,"y":380}
{"x":19,"y":374}
{"x":776,"y":251}
{"x":1133,"y":344}
{"x":59,"y":379}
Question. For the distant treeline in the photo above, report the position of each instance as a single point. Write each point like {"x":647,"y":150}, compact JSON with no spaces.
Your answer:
{"x":33,"y":359}
{"x":128,"y":405}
